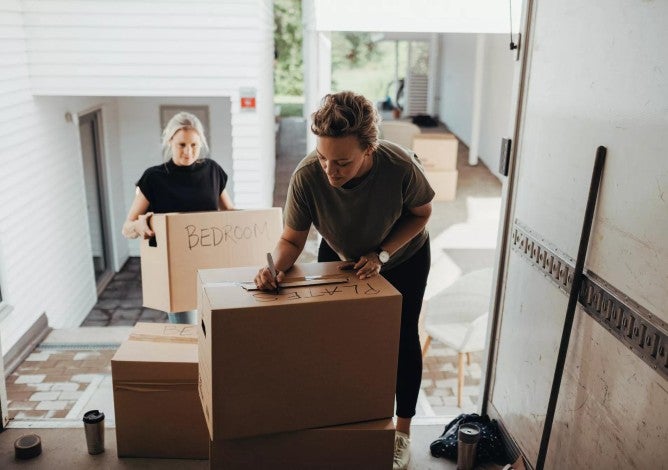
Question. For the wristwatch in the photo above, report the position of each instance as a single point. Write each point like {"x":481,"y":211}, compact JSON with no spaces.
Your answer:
{"x":383,"y":255}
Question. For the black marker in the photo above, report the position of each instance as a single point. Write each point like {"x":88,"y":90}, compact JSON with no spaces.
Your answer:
{"x":272,"y":269}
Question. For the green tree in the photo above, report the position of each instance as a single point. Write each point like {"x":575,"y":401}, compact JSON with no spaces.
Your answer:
{"x":353,"y":50}
{"x":288,"y":69}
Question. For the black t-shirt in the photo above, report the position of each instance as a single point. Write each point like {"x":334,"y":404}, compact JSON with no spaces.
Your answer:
{"x":172,"y":188}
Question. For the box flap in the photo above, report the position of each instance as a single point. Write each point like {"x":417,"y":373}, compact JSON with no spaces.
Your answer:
{"x":171,"y":351}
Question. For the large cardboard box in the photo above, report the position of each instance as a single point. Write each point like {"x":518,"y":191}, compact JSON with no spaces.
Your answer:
{"x":436,"y":151}
{"x":157,"y":407}
{"x":368,"y":446}
{"x":304,"y":358}
{"x":444,"y":184}
{"x":186,"y":242}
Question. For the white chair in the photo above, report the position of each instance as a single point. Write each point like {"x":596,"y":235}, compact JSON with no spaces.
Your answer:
{"x":457,"y":317}
{"x":399,"y":132}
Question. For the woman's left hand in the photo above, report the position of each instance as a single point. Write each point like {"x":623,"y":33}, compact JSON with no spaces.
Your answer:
{"x":368,"y":265}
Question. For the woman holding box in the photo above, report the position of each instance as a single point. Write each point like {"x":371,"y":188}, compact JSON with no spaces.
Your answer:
{"x":183,"y":183}
{"x":370,"y":201}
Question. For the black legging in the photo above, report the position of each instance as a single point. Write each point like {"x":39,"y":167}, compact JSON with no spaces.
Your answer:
{"x":410,"y":279}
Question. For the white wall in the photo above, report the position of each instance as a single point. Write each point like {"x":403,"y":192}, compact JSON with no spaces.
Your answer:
{"x":45,"y":255}
{"x":596,"y":77}
{"x":456,"y":91}
{"x":139,"y":140}
{"x":167,"y":48}
{"x":496,"y":98}
{"x":458,"y":61}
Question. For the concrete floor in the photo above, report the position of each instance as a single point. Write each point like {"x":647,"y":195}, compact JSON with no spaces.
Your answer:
{"x":66,"y":449}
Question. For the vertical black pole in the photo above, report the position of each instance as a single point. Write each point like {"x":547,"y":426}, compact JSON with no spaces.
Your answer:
{"x":572,"y":304}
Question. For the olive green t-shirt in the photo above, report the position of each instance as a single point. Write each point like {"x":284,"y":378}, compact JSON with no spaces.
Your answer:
{"x":356,"y":221}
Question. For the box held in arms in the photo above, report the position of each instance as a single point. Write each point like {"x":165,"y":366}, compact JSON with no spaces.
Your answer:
{"x":436,"y":151}
{"x":307,"y":357}
{"x":157,"y":407}
{"x":368,"y":445}
{"x":186,"y":242}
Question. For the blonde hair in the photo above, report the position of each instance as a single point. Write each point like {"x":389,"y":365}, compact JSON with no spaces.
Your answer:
{"x":179,"y":121}
{"x":344,"y":114}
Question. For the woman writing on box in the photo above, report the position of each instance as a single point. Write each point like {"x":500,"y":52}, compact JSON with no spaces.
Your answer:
{"x":183,"y":183}
{"x":370,"y":201}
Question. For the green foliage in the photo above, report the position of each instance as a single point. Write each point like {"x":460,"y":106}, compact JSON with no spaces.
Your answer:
{"x":372,"y":74}
{"x":288,"y":69}
{"x":353,"y":49}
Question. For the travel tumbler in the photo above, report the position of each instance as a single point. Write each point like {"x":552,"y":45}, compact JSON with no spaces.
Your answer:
{"x":467,"y":441}
{"x":94,"y":427}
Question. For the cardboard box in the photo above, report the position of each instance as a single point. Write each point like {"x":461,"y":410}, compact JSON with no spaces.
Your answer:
{"x":436,"y":151}
{"x":444,"y":184}
{"x":305,"y":358}
{"x":367,"y":446}
{"x":186,"y":242}
{"x":157,"y":407}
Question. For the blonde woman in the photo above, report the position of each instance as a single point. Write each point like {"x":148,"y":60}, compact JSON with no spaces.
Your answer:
{"x":370,"y":201}
{"x":187,"y":181}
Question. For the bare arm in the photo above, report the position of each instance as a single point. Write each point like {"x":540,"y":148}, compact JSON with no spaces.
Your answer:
{"x":403,"y":231}
{"x":287,"y":250}
{"x":407,"y":228}
{"x":225,"y":202}
{"x":136,"y":224}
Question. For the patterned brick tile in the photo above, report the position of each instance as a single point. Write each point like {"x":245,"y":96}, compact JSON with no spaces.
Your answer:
{"x":53,"y":405}
{"x":44,"y":396}
{"x":30,"y":379}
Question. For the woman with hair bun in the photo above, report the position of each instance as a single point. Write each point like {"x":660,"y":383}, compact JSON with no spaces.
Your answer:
{"x":187,"y":181}
{"x":370,"y":201}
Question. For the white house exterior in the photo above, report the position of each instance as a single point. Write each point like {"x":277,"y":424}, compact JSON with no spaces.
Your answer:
{"x":63,"y":59}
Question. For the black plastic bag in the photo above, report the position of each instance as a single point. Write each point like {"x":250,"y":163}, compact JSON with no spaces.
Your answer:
{"x":490,"y":446}
{"x":424,"y":120}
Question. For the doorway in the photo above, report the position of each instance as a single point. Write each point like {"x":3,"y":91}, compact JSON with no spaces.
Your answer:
{"x":96,"y":200}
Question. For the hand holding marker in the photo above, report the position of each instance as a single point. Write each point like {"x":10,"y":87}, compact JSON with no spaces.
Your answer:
{"x":272,"y":269}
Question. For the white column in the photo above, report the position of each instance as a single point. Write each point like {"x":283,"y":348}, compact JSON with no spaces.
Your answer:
{"x":317,"y":50}
{"x":3,"y":392}
{"x":477,"y":99}
{"x":433,"y":74}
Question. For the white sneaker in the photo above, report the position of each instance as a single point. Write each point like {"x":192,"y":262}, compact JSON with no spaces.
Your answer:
{"x":402,"y":451}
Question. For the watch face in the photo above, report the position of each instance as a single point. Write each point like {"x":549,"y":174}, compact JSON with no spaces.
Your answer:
{"x":384,"y":256}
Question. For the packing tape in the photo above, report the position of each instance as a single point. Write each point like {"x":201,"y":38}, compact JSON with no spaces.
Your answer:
{"x":164,"y":339}
{"x":154,"y":387}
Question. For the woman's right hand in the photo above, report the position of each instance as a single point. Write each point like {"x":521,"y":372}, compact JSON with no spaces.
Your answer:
{"x":137,"y":224}
{"x":142,"y":226}
{"x":265,"y":281}
{"x":138,"y":228}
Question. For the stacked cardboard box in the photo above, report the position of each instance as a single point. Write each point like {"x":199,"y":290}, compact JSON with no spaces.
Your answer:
{"x":367,"y":446}
{"x":279,"y":371}
{"x":438,"y":154}
{"x":186,"y":242}
{"x":156,"y":403}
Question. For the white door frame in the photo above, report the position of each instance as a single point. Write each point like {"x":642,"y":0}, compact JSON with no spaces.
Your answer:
{"x":95,"y":115}
{"x":507,"y":198}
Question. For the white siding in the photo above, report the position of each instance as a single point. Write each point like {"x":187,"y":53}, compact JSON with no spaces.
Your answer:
{"x":45,"y":263}
{"x":56,"y":58}
{"x":167,"y":48}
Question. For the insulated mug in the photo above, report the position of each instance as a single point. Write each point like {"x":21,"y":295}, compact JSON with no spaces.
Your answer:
{"x":94,"y":428}
{"x":467,"y":441}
